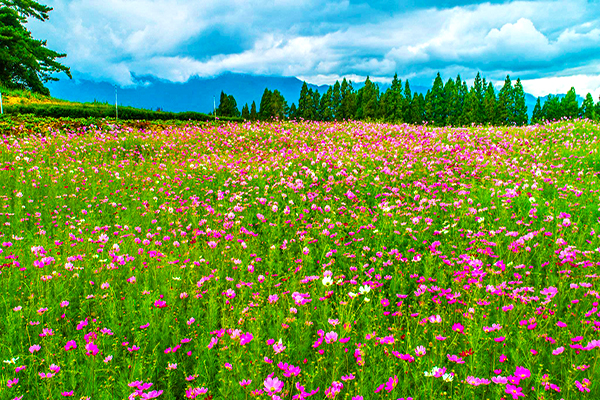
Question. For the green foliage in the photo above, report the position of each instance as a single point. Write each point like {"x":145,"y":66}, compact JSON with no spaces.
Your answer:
{"x":520,"y":109}
{"x":587,"y":109}
{"x":106,"y":111}
{"x":227,"y":106}
{"x":25,"y":62}
{"x":569,"y":105}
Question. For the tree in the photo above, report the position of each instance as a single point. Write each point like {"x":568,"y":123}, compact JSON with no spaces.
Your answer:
{"x":264,"y":112}
{"x":436,"y":108}
{"x":304,"y":102}
{"x":227,"y":106}
{"x":505,"y":107}
{"x":325,"y":107}
{"x":293,"y":112}
{"x":348,"y":102}
{"x":489,"y":104}
{"x":245,"y":112}
{"x":367,"y":101}
{"x":551,"y":110}
{"x":451,"y":97}
{"x":407,"y":99}
{"x":520,"y":108}
{"x":336,"y":100}
{"x":316,"y":106}
{"x":253,"y":113}
{"x":569,"y":105}
{"x":587,"y":109}
{"x":536,"y":116}
{"x":24,"y":61}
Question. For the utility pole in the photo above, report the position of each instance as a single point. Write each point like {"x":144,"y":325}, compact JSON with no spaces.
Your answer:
{"x":116,"y":104}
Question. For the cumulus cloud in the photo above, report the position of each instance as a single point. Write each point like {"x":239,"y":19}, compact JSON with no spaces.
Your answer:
{"x":322,"y":41}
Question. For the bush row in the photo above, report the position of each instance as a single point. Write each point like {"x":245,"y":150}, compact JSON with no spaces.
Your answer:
{"x":106,"y":111}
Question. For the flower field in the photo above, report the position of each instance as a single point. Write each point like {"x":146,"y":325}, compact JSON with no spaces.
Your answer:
{"x":301,"y":260}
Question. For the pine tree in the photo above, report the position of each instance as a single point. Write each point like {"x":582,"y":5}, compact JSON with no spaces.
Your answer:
{"x":569,"y":105}
{"x":479,"y":91}
{"x":551,"y":110}
{"x":489,"y":105}
{"x":367,"y":101}
{"x":348,"y":103}
{"x":536,"y":116}
{"x":336,"y":100}
{"x":316,"y":106}
{"x":451,"y":97}
{"x":304,"y":102}
{"x":472,"y":108}
{"x":506,"y":104}
{"x":520,"y":108}
{"x":245,"y":112}
{"x":436,"y":107}
{"x":264,"y":112}
{"x":293,"y":112}
{"x":24,"y":61}
{"x":253,"y":113}
{"x":326,"y":108}
{"x":587,"y":109}
{"x":406,"y":101}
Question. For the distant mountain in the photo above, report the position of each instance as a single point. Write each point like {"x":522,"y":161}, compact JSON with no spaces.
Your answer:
{"x":197,"y":94}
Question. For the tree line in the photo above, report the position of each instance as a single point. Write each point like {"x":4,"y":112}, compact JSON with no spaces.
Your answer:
{"x":451,"y":103}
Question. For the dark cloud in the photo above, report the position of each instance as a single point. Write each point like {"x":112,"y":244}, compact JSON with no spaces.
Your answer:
{"x":320,"y":41}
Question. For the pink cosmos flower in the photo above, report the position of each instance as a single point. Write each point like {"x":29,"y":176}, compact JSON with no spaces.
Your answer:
{"x":34,"y":348}
{"x":514,"y":391}
{"x":522,"y":372}
{"x":245,"y":382}
{"x":420,"y":351}
{"x":273,"y":385}
{"x":13,"y":382}
{"x":331,"y":337}
{"x":246,"y":338}
{"x":71,"y":345}
{"x":91,"y":349}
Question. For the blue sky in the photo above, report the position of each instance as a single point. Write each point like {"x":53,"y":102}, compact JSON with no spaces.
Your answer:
{"x":550,"y":45}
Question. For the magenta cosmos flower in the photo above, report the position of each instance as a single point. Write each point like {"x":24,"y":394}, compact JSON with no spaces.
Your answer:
{"x":273,"y":385}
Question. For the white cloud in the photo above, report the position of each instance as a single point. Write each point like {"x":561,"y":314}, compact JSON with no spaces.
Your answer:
{"x":583,"y":84}
{"x":116,"y":40}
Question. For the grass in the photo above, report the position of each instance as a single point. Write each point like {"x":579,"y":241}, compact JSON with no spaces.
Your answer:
{"x":284,"y":260}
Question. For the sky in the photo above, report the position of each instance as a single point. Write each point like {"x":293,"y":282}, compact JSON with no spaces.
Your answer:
{"x":549,"y":45}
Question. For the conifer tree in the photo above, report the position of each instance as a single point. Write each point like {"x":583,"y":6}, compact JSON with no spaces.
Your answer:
{"x":587,"y":109}
{"x":505,"y":108}
{"x":536,"y":116}
{"x":366,"y":101}
{"x":304,"y":102}
{"x":479,"y":91}
{"x":264,"y":111}
{"x":245,"y":112}
{"x":316,"y":106}
{"x":293,"y":112}
{"x":336,"y":100}
{"x":253,"y":113}
{"x":520,"y":108}
{"x":451,"y":97}
{"x":551,"y":110}
{"x":489,"y":104}
{"x":24,"y":61}
{"x":436,"y":108}
{"x":326,"y":107}
{"x":569,"y":105}
{"x":348,"y":103}
{"x":406,"y":101}
{"x":472,"y":108}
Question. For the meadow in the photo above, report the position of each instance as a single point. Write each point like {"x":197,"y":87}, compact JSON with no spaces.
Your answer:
{"x":304,"y":260}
